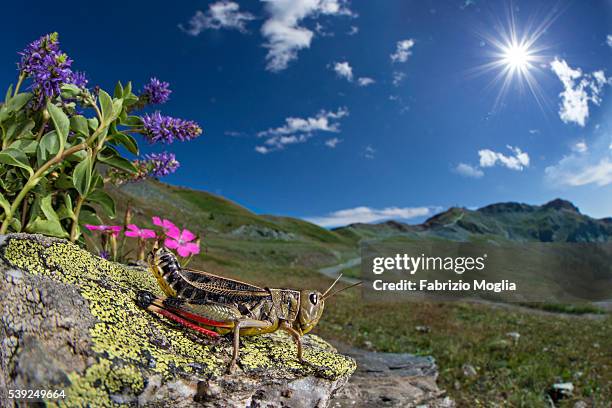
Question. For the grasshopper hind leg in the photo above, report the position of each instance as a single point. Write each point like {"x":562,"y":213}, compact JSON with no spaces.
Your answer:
{"x":243,"y":324}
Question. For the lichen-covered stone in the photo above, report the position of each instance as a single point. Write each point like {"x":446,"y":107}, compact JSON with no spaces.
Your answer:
{"x":83,"y":331}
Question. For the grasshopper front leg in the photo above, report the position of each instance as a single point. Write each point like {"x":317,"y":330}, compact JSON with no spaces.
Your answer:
{"x":244,"y":324}
{"x":297,"y":337}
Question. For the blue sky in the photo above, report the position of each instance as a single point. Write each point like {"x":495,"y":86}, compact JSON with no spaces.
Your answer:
{"x":340,"y":111}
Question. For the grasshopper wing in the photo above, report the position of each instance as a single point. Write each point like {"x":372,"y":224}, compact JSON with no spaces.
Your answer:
{"x":222,"y":287}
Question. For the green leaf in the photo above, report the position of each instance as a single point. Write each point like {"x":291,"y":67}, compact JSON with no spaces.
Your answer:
{"x":65,"y":210}
{"x":132,"y":121}
{"x":118,"y":90}
{"x":110,"y":157}
{"x":6,"y":206}
{"x":63,"y":182}
{"x":47,"y":147}
{"x":9,"y":92}
{"x":28,"y":146}
{"x":60,"y":121}
{"x":126,"y":141}
{"x":17,"y":158}
{"x":18,"y":101}
{"x":127,"y":91}
{"x":93,"y":123}
{"x":117,"y":108}
{"x":15,"y":223}
{"x":88,"y":216}
{"x":47,"y":227}
{"x":78,"y":124}
{"x":97,"y":181}
{"x":70,"y":91}
{"x":104,"y":200}
{"x":20,"y":128}
{"x":81,"y":177}
{"x":46,"y":206}
{"x":106,"y":106}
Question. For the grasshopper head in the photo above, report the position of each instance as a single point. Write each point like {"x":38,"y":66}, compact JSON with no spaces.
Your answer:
{"x":312,"y":304}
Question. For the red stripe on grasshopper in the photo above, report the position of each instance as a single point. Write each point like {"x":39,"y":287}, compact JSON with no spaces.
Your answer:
{"x":200,"y":319}
{"x":186,"y":323}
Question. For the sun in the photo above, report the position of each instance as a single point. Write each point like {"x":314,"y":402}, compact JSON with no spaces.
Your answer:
{"x":516,"y":57}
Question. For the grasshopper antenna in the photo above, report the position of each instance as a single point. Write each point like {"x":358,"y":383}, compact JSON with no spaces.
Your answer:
{"x":332,"y":285}
{"x":325,"y":295}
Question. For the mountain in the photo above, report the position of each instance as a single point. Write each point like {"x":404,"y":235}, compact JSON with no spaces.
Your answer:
{"x":556,"y":221}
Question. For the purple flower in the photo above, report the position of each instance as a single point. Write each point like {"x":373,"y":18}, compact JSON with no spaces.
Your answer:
{"x":156,"y":91}
{"x":34,"y":53}
{"x":48,"y":67}
{"x":165,"y":129}
{"x":161,"y":164}
{"x":79,"y":79}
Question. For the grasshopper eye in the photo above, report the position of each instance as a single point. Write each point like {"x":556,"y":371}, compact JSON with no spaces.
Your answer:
{"x":313,"y":298}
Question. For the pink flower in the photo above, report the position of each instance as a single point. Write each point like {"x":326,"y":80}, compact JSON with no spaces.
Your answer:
{"x":164,"y":223}
{"x":135,"y":232}
{"x":182,"y":242}
{"x":114,"y":230}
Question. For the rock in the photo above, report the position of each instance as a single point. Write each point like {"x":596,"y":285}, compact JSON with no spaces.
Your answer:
{"x":258,"y":232}
{"x":391,"y":380}
{"x":68,"y":321}
{"x":469,"y":370}
{"x":515,"y":336}
{"x":560,"y":391}
{"x":581,"y":404}
{"x":422,"y":329}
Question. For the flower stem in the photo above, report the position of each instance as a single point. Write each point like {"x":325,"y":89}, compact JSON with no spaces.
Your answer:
{"x":19,"y":82}
{"x":74,"y":230}
{"x":187,"y":261}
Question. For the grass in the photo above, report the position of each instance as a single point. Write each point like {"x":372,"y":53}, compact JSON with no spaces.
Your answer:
{"x":551,"y":348}
{"x":577,"y":309}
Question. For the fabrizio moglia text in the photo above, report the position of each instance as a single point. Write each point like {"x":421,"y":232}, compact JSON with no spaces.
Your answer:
{"x":444,"y":286}
{"x":410,"y":265}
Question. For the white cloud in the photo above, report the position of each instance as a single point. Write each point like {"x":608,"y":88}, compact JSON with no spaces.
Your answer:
{"x":368,"y":152}
{"x":580,"y":147}
{"x":586,"y":165}
{"x":344,"y":70}
{"x":609,"y":40}
{"x":518,"y":161}
{"x":369,"y":215}
{"x":354,"y":30}
{"x":282,"y":30}
{"x":469,"y":170}
{"x":365,"y":81}
{"x":534,"y":131}
{"x":300,"y":130}
{"x":403,"y":49}
{"x":333,"y":142}
{"x":398,"y":77}
{"x":573,"y":171}
{"x":222,"y":14}
{"x":579,"y":90}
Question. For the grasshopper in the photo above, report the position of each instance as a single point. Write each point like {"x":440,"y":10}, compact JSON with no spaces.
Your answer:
{"x":215,"y":306}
